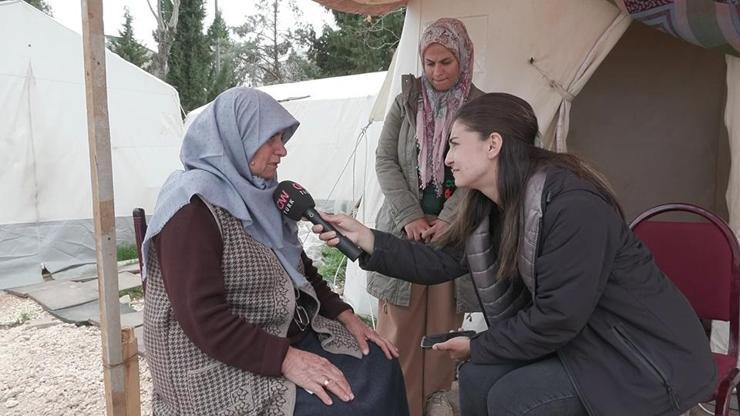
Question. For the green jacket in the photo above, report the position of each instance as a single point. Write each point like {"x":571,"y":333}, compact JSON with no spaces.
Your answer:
{"x":396,"y":165}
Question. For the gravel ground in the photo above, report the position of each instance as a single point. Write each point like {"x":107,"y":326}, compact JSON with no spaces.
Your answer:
{"x":52,"y":368}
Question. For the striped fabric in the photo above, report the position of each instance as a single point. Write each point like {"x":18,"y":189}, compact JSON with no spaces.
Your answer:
{"x":713,"y":24}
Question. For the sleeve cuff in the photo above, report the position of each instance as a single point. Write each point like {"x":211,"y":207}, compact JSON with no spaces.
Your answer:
{"x":273,"y":356}
{"x":333,"y":310}
{"x":371,"y":262}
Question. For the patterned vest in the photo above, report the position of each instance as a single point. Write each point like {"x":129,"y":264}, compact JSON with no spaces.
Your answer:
{"x":187,"y":381}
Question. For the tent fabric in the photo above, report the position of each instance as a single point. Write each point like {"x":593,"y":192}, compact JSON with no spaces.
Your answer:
{"x":592,"y":60}
{"x":44,"y":146}
{"x":713,"y":24}
{"x":656,"y":134}
{"x":368,"y":7}
{"x":707,"y":23}
{"x":732,"y":121}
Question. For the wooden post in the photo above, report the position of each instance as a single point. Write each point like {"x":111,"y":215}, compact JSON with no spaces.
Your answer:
{"x":98,"y":132}
{"x":131,"y":372}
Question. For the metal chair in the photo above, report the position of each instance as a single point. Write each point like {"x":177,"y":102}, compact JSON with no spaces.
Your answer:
{"x":703,"y":260}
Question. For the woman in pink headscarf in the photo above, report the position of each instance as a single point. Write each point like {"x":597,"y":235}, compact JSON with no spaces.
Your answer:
{"x":420,"y":202}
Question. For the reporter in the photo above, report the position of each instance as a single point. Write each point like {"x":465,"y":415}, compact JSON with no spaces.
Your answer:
{"x":581,"y":320}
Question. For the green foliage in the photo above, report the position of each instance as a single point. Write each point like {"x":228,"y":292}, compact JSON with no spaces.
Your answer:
{"x":360,"y":44}
{"x":367,"y":320}
{"x":134,"y":293}
{"x":262,"y":52}
{"x":126,"y":252}
{"x":223,"y":72}
{"x":41,"y":5}
{"x":126,"y":45}
{"x":334,"y":262}
{"x":189,"y":56}
{"x":24,"y":317}
{"x":270,"y":54}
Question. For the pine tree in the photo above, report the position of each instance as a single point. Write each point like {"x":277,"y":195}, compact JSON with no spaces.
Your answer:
{"x":271,"y":55}
{"x":223,"y":72}
{"x":41,"y":5}
{"x":166,"y":13}
{"x":126,"y":46}
{"x":189,"y":56}
{"x":360,"y":44}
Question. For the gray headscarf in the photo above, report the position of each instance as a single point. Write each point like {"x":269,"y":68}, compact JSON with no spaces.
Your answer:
{"x":215,"y":153}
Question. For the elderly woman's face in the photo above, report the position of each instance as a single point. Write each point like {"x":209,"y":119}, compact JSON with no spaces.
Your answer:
{"x":441,"y":67}
{"x":266,"y":159}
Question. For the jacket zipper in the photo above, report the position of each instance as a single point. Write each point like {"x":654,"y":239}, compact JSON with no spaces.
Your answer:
{"x":480,"y":302}
{"x":563,"y":360}
{"x":650,"y":363}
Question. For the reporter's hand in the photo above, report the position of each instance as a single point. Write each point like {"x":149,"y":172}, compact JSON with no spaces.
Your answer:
{"x":316,"y":374}
{"x":416,"y":228}
{"x":458,"y":348}
{"x":437,"y":228}
{"x":349,"y":227}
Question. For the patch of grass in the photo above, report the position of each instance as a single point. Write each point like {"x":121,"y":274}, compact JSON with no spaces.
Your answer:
{"x":366,"y":319}
{"x":134,"y":293}
{"x":126,"y":252}
{"x":334,"y":262}
{"x":24,"y":317}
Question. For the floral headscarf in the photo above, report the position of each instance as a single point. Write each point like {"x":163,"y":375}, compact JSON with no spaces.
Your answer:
{"x":437,"y":108}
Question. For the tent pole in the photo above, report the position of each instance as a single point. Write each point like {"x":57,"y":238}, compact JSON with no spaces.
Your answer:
{"x":98,"y":132}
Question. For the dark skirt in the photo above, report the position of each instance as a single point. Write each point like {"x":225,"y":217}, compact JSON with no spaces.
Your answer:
{"x":376,"y":382}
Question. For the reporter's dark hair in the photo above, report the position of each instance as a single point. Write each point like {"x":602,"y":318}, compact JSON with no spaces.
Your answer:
{"x":514,"y":119}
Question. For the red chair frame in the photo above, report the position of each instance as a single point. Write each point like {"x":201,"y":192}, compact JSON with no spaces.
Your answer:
{"x":727,"y":384}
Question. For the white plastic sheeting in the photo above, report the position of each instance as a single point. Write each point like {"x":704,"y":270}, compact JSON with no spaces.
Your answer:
{"x":45,"y":180}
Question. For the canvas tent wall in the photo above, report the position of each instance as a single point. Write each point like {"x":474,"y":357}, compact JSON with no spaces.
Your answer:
{"x":45,"y":178}
{"x":661,"y":115}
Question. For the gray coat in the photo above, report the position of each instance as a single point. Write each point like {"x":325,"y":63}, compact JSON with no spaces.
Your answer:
{"x":397,"y":168}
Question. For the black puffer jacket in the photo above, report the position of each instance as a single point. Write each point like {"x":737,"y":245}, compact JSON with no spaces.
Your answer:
{"x":628,"y":338}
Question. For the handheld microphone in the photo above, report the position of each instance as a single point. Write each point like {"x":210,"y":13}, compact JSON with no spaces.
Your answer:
{"x":295,"y":202}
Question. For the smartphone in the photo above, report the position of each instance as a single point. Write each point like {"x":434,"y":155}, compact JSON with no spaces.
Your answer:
{"x":428,"y":340}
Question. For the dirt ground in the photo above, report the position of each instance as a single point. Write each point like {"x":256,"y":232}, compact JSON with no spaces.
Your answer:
{"x":52,"y":368}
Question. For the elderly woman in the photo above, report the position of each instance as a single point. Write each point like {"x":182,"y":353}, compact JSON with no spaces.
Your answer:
{"x":237,"y":319}
{"x":420,"y":201}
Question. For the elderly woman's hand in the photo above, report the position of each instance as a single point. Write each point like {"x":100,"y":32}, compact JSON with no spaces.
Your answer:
{"x":316,"y":375}
{"x":363,"y":333}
